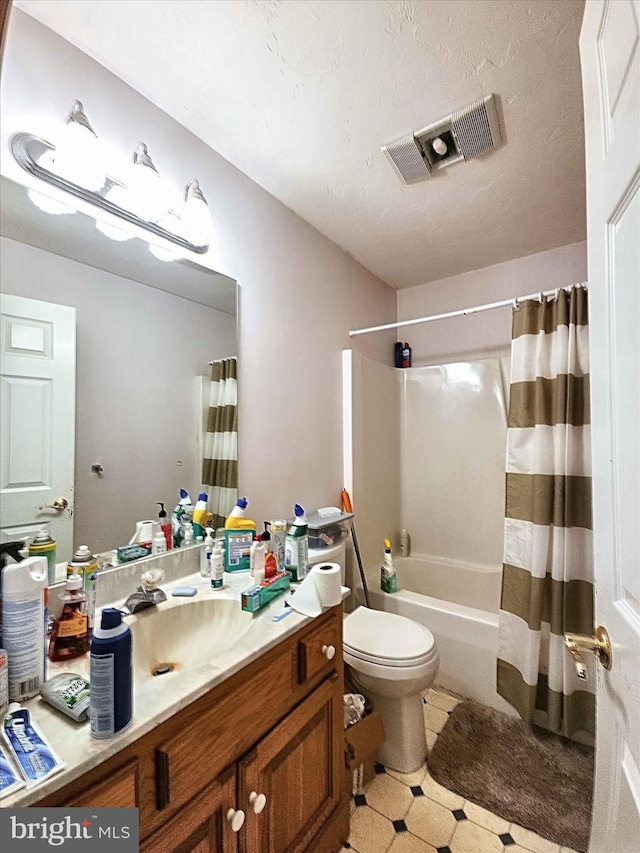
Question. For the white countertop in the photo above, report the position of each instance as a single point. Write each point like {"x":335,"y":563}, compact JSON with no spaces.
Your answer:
{"x":155,"y":699}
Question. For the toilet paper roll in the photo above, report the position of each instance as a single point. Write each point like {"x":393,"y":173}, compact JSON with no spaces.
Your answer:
{"x":319,"y":590}
{"x":327,"y":578}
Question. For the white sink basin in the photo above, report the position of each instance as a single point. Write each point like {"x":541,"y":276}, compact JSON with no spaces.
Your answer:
{"x":175,"y":635}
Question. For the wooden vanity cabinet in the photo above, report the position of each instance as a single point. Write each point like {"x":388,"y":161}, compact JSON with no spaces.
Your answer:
{"x":268,"y":742}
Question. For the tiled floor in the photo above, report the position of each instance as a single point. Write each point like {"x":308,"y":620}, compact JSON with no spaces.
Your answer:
{"x":412,"y":813}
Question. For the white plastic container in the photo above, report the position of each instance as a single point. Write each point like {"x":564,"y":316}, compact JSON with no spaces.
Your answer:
{"x":217,"y":568}
{"x":205,"y":554}
{"x":159,"y":543}
{"x":24,"y":625}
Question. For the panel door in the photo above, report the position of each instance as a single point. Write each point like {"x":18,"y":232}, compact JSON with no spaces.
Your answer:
{"x":37,"y":419}
{"x":610,"y":56}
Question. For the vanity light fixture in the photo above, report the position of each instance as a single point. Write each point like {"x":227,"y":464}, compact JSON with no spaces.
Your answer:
{"x":140,"y":197}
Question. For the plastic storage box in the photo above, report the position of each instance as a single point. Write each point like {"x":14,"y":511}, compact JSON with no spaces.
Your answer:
{"x":327,"y":529}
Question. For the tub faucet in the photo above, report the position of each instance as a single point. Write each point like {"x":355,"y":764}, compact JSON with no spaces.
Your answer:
{"x":148,"y":594}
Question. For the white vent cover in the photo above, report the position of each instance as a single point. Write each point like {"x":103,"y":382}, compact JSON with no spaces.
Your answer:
{"x":406,"y":158}
{"x":476,"y":128}
{"x":469,"y":132}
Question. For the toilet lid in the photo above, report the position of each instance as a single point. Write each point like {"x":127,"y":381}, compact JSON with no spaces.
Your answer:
{"x":386,"y":638}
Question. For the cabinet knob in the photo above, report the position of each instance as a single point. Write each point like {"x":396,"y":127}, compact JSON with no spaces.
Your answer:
{"x":258,"y":801}
{"x":329,"y":652}
{"x":236,"y":819}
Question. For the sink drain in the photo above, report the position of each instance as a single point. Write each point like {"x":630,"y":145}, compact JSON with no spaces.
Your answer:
{"x":163,"y":668}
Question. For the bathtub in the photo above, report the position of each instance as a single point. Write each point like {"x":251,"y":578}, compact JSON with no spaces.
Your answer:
{"x":459,"y":604}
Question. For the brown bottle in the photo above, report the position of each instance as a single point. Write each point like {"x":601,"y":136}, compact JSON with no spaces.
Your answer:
{"x":70,"y":631}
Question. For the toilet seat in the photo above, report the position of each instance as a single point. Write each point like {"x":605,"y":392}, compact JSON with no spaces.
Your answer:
{"x":387,"y":639}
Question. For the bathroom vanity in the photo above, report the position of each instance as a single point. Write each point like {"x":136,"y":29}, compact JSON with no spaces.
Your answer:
{"x":255,"y":764}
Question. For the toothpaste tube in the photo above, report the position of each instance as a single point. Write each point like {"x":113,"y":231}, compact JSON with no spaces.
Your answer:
{"x":69,"y":693}
{"x":9,"y":782}
{"x":126,"y":553}
{"x":33,"y":755}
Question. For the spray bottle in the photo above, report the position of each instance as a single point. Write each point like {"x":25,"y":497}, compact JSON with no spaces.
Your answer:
{"x":388,"y":577}
{"x":25,"y":590}
{"x":296,"y":546}
{"x":182,"y":513}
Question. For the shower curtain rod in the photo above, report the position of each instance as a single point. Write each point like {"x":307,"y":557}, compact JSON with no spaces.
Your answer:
{"x":464,"y":311}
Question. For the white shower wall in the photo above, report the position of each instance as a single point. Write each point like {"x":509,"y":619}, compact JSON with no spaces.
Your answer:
{"x":425,"y":451}
{"x":453,"y":432}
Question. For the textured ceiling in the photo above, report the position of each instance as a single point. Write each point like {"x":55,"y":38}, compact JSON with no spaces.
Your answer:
{"x":300,"y":95}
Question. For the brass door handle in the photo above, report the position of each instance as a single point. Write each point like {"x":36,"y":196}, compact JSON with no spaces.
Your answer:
{"x":599,"y":645}
{"x":59,"y":505}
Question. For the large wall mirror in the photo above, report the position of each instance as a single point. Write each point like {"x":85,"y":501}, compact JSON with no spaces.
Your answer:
{"x":146,"y":332}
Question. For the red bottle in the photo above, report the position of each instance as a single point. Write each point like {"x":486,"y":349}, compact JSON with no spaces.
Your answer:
{"x":406,"y":355}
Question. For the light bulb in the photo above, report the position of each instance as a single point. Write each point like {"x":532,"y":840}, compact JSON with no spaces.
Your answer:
{"x":439,"y":146}
{"x":77,"y":156}
{"x":163,"y":254}
{"x":196,"y":219}
{"x":50,"y":205}
{"x":116,"y":195}
{"x":146,"y":191}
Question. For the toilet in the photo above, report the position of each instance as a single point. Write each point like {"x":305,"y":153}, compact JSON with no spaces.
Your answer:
{"x":391,"y":660}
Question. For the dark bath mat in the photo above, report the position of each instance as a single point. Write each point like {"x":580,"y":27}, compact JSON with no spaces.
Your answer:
{"x":524,"y":774}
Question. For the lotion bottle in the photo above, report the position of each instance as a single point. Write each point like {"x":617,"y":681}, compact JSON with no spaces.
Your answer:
{"x":217,"y":568}
{"x":205,"y":554}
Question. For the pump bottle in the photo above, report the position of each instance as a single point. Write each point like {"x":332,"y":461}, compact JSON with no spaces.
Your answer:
{"x":70,"y":631}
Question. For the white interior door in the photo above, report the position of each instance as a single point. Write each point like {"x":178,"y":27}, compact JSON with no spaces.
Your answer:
{"x":37,"y":416}
{"x":610,"y":55}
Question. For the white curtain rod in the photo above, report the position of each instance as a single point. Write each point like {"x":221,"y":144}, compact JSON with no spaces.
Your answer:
{"x":463,"y":312}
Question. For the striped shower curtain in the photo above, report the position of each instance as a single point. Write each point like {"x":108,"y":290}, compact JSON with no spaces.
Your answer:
{"x":547,"y":584}
{"x":220,"y":463}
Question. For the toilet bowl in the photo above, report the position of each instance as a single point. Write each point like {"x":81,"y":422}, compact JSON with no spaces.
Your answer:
{"x":391,"y":660}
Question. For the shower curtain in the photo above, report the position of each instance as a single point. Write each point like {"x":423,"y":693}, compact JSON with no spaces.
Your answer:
{"x":547,"y":583}
{"x":220,"y":463}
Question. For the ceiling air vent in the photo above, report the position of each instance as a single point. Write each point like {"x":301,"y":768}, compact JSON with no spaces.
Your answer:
{"x":462,"y":136}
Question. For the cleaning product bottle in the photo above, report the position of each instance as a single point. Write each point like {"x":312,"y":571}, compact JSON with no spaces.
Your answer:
{"x":406,"y":355}
{"x":217,"y":568}
{"x":45,"y":546}
{"x":24,"y":621}
{"x":296,"y":546}
{"x":238,"y":536}
{"x":388,"y":577}
{"x":86,"y":565}
{"x":69,"y":636}
{"x":182,"y":512}
{"x":165,"y":525}
{"x":110,"y":675}
{"x":202,"y":518}
{"x":205,"y":554}
{"x":159,"y":542}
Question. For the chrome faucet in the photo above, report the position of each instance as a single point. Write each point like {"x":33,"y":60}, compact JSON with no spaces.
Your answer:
{"x":148,"y":593}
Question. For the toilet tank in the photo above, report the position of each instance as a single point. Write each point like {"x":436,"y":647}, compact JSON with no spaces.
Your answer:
{"x":331,"y":554}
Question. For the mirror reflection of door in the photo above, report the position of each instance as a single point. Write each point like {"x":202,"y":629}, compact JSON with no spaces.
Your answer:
{"x":37,"y":398}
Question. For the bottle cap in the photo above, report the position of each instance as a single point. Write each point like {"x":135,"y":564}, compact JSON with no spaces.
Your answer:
{"x":74,"y":581}
{"x":162,"y":513}
{"x":266,"y":536}
{"x":111,"y":618}
{"x":184,"y":494}
{"x":242,"y":503}
{"x":83,"y":555}
{"x":298,"y":510}
{"x":203,"y":496}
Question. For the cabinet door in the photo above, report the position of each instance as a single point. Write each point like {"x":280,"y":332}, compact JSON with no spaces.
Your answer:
{"x":118,"y":790}
{"x":297,"y":768}
{"x":204,"y":825}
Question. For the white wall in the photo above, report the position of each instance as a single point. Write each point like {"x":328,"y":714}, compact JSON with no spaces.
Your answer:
{"x":487,"y":334}
{"x":299,"y":293}
{"x":138,"y":351}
